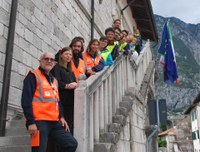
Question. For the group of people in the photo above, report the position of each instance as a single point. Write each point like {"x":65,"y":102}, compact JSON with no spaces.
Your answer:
{"x":48,"y":92}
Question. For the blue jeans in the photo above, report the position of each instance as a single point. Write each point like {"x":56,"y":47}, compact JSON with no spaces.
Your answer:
{"x":55,"y":131}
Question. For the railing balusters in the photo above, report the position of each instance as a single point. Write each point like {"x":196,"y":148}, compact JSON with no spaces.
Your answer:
{"x":96,"y":116}
{"x":110,"y":97}
{"x":97,"y":98}
{"x":91,"y":130}
{"x":101,"y":108}
{"x":114,"y":95}
{"x":106,"y":105}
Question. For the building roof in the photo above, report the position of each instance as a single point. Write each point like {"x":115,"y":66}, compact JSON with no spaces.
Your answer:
{"x":194,"y":104}
{"x":167,"y":132}
{"x":143,"y":14}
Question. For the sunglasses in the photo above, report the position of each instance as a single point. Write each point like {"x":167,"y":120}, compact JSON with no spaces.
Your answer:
{"x":49,"y":59}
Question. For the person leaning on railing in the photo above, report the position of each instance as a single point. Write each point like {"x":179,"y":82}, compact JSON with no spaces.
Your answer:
{"x":117,"y":23}
{"x":41,"y":107}
{"x":138,"y":46}
{"x":62,"y":71}
{"x":92,"y":58}
{"x":113,"y":46}
{"x":77,"y":63}
{"x":103,"y":42}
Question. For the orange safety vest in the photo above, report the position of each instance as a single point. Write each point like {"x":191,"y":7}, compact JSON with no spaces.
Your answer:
{"x":80,"y":69}
{"x":45,"y":99}
{"x":89,"y":61}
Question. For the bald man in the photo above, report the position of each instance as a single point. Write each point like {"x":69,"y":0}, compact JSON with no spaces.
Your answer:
{"x":40,"y":103}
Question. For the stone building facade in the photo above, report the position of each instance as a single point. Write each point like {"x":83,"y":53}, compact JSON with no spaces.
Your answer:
{"x":50,"y":25}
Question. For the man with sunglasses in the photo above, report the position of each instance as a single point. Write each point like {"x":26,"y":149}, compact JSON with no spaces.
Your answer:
{"x":40,"y":103}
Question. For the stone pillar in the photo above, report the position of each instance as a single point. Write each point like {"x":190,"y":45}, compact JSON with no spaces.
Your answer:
{"x":80,"y":115}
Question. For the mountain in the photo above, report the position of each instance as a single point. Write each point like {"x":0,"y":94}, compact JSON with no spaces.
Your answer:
{"x":186,"y":38}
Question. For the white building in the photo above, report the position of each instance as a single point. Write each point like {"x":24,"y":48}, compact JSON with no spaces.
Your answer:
{"x":194,"y":111}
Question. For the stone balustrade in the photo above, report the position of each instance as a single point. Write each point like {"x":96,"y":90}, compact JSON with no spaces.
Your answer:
{"x":98,"y":98}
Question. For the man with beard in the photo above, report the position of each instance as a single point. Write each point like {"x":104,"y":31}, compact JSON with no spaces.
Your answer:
{"x":77,"y":63}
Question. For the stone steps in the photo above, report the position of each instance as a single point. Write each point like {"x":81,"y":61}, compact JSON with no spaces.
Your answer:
{"x":16,"y":131}
{"x":21,"y":148}
{"x":14,"y":140}
{"x":104,"y":147}
{"x":16,"y":137}
{"x":17,"y":123}
{"x":108,"y":140}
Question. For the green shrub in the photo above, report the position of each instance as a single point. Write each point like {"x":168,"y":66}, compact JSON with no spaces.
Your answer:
{"x":162,"y":143}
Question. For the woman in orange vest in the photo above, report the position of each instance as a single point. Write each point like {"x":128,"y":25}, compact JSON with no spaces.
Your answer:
{"x":93,"y":60}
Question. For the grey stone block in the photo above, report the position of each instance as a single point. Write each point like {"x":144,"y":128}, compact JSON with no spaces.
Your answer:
{"x":19,"y":28}
{"x":5,"y":32}
{"x":3,"y":42}
{"x":104,"y":147}
{"x":120,"y":119}
{"x":22,"y":18}
{"x":122,"y":111}
{"x":1,"y":29}
{"x":29,"y":35}
{"x":109,"y":137}
{"x":14,"y":140}
{"x":16,"y":131}
{"x":131,"y":91}
{"x":126,"y":104}
{"x":4,"y":17}
{"x":127,"y":98}
{"x":23,"y":148}
{"x":115,"y":127}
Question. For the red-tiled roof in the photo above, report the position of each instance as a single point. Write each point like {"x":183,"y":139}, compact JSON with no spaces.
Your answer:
{"x":169,"y":131}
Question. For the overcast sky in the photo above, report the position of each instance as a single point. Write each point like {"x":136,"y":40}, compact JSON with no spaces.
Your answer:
{"x":186,"y":10}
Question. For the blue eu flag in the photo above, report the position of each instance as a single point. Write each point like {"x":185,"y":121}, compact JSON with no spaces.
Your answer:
{"x":168,"y":56}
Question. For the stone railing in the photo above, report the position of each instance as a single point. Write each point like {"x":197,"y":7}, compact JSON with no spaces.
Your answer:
{"x":98,"y":97}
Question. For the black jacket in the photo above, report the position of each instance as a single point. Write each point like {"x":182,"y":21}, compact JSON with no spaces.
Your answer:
{"x":64,"y":76}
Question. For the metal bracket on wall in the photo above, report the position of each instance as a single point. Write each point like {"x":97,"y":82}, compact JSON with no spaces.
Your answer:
{"x":131,"y":2}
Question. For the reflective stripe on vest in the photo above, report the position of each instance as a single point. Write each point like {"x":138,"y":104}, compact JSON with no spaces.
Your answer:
{"x":105,"y":54}
{"x":80,"y":69}
{"x":111,"y":47}
{"x":45,"y":99}
{"x":122,"y":46}
{"x":40,"y":97}
{"x":89,"y":61}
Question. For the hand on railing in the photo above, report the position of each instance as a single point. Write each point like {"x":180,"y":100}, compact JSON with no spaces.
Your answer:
{"x":90,"y":72}
{"x":72,"y":85}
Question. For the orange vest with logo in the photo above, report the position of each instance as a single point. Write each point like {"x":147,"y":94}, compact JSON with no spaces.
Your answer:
{"x":89,"y":61}
{"x":80,"y":69}
{"x":45,"y":99}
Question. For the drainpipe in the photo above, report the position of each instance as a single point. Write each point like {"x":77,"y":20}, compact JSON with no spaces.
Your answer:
{"x":7,"y":68}
{"x":92,"y":19}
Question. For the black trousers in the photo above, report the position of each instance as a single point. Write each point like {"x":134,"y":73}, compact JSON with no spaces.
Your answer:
{"x":55,"y":131}
{"x":69,"y":116}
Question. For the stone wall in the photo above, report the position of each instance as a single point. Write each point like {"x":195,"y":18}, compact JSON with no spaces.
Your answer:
{"x":49,"y":25}
{"x":183,"y":133}
{"x":133,"y":138}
